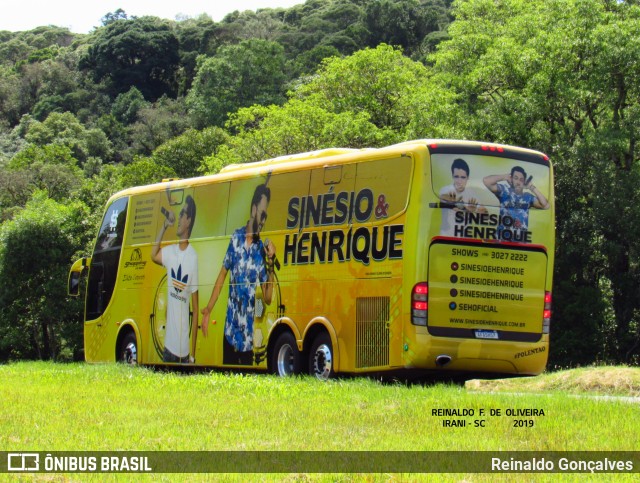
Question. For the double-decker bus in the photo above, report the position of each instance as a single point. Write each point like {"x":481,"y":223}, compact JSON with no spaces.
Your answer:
{"x":431,"y":256}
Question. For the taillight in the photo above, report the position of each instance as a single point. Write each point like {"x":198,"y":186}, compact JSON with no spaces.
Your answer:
{"x":491,"y":148}
{"x":546,"y":314}
{"x":419,"y":303}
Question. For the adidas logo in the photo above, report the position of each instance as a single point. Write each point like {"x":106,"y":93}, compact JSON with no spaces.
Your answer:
{"x":179,"y":282}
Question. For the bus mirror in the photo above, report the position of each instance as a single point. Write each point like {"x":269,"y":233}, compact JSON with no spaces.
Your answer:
{"x":77,"y":270}
{"x":74,"y":283}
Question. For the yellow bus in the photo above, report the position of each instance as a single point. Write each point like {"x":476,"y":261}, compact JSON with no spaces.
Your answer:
{"x":429,"y":256}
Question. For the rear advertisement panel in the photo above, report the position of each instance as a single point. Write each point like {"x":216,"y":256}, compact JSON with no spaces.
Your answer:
{"x":483,"y":292}
{"x":488,"y":255}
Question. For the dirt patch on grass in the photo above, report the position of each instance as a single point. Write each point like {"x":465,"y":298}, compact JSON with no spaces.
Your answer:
{"x":619,"y":381}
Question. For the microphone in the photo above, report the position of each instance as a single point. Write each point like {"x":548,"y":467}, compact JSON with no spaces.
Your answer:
{"x":165,"y":212}
{"x":275,"y":259}
{"x":442,"y":204}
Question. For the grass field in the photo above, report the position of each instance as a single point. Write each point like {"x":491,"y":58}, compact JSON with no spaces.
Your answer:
{"x":81,"y":407}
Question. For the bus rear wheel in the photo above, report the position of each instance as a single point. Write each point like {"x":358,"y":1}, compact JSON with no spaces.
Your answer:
{"x":321,"y":358}
{"x":285,"y":358}
{"x":128,"y":350}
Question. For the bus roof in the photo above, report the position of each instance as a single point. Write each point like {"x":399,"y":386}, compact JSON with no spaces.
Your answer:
{"x":322,"y":153}
{"x":231,"y":171}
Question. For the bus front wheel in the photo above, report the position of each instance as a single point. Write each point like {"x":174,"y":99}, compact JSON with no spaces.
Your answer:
{"x":285,"y":358}
{"x":128,"y":351}
{"x":321,"y":358}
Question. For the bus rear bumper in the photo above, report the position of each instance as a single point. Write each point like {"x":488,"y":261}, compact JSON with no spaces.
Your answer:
{"x":449,"y":354}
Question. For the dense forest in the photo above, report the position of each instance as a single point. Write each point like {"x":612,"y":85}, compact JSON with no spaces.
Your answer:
{"x":142,"y":98}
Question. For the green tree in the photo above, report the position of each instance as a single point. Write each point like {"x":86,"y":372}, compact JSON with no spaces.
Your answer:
{"x":64,"y":129}
{"x":251,"y":72}
{"x":37,"y":320}
{"x":561,"y":76}
{"x":196,"y":36}
{"x":11,"y":104}
{"x":141,"y":52}
{"x":46,"y":36}
{"x":308,"y":62}
{"x":142,"y":171}
{"x":380,"y":81}
{"x":111,"y":17}
{"x":42,"y":83}
{"x":14,"y":49}
{"x":116,"y":132}
{"x":55,"y":153}
{"x":185,"y":153}
{"x":157,"y":123}
{"x":98,"y":188}
{"x":263,"y":24}
{"x":15,"y":191}
{"x":51,"y":169}
{"x":402,"y":23}
{"x":10,"y":144}
{"x":316,"y":23}
{"x":57,"y":181}
{"x":127,"y":105}
{"x":298,"y":126}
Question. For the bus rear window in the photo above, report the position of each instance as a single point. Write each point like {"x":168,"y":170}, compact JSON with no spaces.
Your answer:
{"x":493,"y":198}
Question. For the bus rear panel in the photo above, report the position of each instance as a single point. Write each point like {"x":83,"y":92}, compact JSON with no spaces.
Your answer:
{"x":482,"y":298}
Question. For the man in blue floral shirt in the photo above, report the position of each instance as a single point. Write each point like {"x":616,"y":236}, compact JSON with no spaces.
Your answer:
{"x":514,"y":201}
{"x":250,"y":262}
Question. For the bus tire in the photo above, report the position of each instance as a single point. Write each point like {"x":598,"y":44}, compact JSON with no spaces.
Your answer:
{"x":321,"y":357}
{"x":285,"y":358}
{"x":128,"y":350}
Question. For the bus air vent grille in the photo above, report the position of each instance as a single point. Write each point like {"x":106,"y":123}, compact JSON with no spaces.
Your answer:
{"x":372,"y":332}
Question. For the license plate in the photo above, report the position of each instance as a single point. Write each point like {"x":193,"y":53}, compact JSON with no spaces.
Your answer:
{"x":487,"y":334}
